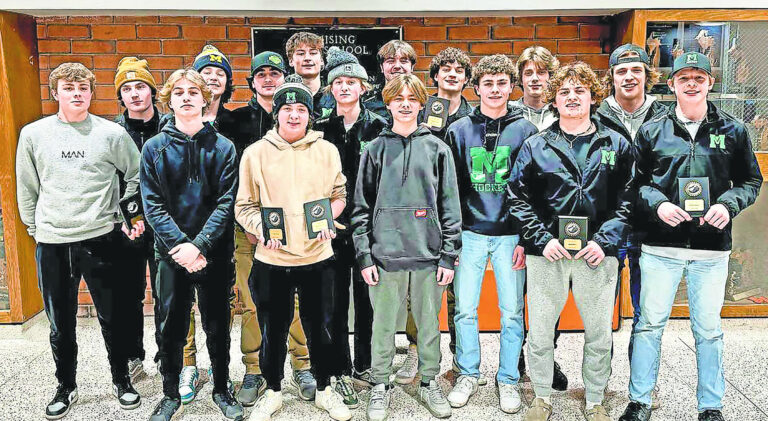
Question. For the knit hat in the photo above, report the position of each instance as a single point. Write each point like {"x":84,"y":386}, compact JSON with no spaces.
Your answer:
{"x":641,"y":57}
{"x":270,"y":59}
{"x":211,"y":56}
{"x":343,"y":63}
{"x":131,"y":69}
{"x":291,"y":92}
{"x":691,"y":60}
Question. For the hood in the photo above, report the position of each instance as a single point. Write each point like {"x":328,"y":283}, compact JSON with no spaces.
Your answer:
{"x":531,"y":114}
{"x":513,"y":113}
{"x":421,"y":131}
{"x":192,"y":156}
{"x":631,"y":121}
{"x":282,"y":144}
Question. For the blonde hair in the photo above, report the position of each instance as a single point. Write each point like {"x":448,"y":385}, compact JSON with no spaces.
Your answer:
{"x":580,"y":72}
{"x":391,"y":48}
{"x":393,"y":88}
{"x":71,"y":72}
{"x":191,"y":75}
{"x":306,"y":38}
{"x":540,"y":56}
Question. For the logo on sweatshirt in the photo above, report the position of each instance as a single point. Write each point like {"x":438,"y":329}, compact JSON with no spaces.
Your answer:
{"x":420,"y":213}
{"x":717,"y":141}
{"x":490,"y":170}
{"x":608,"y":157}
{"x":72,"y":154}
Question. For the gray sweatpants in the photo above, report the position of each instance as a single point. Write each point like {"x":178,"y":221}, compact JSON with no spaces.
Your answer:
{"x":594,"y":291}
{"x":388,"y":300}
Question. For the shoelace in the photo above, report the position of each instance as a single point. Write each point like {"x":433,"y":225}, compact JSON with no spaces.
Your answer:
{"x":464,"y":385}
{"x":378,"y":398}
{"x":435,"y":393}
{"x":304,"y":376}
{"x":346,"y":386}
{"x":250,"y":381}
{"x":62,"y":394}
{"x":165,"y":404}
{"x":411,"y":359}
{"x":187,"y":376}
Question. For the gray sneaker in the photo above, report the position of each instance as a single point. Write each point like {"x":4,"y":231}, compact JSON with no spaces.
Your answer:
{"x":410,"y":367}
{"x":433,"y":399}
{"x":378,"y":404}
{"x":305,"y":383}
{"x":136,"y":369}
{"x":253,"y":386}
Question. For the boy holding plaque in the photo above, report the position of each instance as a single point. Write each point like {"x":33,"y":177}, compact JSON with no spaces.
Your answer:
{"x":407,"y":223}
{"x":695,"y":172}
{"x":569,"y":193}
{"x":485,"y":145}
{"x":291,"y":190}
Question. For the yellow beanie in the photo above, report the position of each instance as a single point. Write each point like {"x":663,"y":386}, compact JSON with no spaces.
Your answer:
{"x":131,"y":69}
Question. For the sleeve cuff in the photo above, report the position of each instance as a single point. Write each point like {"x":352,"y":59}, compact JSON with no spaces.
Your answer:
{"x":732,"y":211}
{"x":365,"y":260}
{"x":202,"y":245}
{"x":447,"y":261}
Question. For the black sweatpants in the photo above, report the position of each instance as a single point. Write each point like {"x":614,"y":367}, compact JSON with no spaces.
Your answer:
{"x":348,"y":272}
{"x":321,"y":298}
{"x":138,"y":254}
{"x":175,"y":291}
{"x":59,"y":268}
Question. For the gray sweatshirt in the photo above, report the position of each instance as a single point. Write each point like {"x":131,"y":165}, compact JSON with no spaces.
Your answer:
{"x":632,"y":121}
{"x":542,"y":118}
{"x":67,"y":177}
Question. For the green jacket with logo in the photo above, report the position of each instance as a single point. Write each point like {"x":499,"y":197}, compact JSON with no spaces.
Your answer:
{"x":721,"y":151}
{"x":482,"y":174}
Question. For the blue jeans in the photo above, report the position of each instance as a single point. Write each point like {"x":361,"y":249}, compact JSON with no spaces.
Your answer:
{"x":706,"y":290}
{"x":475,"y":251}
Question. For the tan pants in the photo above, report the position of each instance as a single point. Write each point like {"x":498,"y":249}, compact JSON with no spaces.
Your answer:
{"x":250,"y":334}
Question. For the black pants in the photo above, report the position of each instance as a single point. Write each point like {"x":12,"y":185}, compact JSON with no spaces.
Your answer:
{"x":348,"y":272}
{"x":139,"y":253}
{"x":321,"y":297}
{"x":59,"y":268}
{"x":175,"y":291}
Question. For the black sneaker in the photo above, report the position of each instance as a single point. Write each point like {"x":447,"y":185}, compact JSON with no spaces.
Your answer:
{"x":253,"y":386}
{"x":711,"y":415}
{"x":363,"y":378}
{"x":63,"y":400}
{"x":559,"y":381}
{"x":126,"y":395}
{"x":229,"y":406}
{"x":167,"y":410}
{"x":636,"y":412}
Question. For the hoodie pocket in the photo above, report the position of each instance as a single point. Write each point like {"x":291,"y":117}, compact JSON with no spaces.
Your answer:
{"x":406,"y":233}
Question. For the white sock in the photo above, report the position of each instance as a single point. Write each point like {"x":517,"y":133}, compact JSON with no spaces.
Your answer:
{"x":547,"y":400}
{"x":591,"y":405}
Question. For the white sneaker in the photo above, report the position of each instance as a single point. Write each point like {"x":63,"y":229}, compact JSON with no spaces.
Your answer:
{"x":331,"y":401}
{"x":433,"y":399}
{"x":135,"y":369}
{"x":188,"y":381}
{"x":268,"y":403}
{"x":410,"y":367}
{"x":465,"y":387}
{"x":378,"y":404}
{"x":509,"y":398}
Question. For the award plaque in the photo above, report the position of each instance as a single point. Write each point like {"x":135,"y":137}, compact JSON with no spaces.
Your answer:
{"x":694,"y":195}
{"x":573,"y":232}
{"x":436,"y":112}
{"x":132,"y":210}
{"x":273,"y":224}
{"x":318,"y":216}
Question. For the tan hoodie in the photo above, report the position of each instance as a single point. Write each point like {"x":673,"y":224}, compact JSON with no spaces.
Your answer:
{"x":275,"y":173}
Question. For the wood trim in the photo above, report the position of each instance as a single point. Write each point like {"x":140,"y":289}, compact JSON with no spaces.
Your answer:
{"x":762,"y":161}
{"x":747,"y":310}
{"x":5,"y":317}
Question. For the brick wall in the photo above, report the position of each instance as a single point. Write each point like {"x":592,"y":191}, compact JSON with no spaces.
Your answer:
{"x":171,"y":42}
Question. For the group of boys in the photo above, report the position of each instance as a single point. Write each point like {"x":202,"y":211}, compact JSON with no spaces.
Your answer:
{"x":415,"y":210}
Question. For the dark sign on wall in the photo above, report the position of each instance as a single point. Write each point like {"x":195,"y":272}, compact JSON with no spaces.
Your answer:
{"x":364,"y":43}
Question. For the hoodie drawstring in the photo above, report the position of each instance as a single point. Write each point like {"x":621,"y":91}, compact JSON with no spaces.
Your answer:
{"x":407,"y":158}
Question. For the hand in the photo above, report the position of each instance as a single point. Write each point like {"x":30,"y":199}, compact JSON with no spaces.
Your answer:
{"x":272,"y":244}
{"x":717,"y":216}
{"x":593,"y":254}
{"x":444,"y":276}
{"x":672,"y":214}
{"x":326,"y":235}
{"x":518,"y":258}
{"x":253,"y":239}
{"x":198,"y":264}
{"x":184,"y":254}
{"x":371,"y":275}
{"x":136,"y":230}
{"x":555,"y":251}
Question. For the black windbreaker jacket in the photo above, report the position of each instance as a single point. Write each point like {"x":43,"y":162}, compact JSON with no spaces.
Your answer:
{"x":483,"y":174}
{"x":245,"y":125}
{"x":188,"y":187}
{"x":721,"y":151}
{"x":350,"y":145}
{"x":141,"y":131}
{"x":406,"y":212}
{"x":464,"y":110}
{"x":546,"y":182}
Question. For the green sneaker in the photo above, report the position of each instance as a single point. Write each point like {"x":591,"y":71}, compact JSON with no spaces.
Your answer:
{"x":346,"y":389}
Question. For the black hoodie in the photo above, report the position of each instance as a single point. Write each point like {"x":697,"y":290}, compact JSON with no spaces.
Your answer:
{"x":485,"y":151}
{"x":407,"y":214}
{"x":188,"y":187}
{"x":245,"y":125}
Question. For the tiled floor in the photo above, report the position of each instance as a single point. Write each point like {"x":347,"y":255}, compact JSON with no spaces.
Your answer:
{"x":27,"y":381}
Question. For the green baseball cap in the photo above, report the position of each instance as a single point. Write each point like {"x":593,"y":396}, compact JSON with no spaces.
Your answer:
{"x":692,"y":60}
{"x":268,"y":58}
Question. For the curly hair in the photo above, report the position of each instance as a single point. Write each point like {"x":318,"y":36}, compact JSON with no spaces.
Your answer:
{"x":448,"y":56}
{"x":191,"y":75}
{"x":580,"y":72}
{"x":71,"y":72}
{"x":652,"y":77}
{"x":492,"y":65}
{"x":542,"y":57}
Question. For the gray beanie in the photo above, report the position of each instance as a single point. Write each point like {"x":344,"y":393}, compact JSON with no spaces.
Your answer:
{"x":291,"y":92}
{"x":342,"y":63}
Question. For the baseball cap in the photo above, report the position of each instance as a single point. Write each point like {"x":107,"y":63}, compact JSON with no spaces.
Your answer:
{"x":642,"y":56}
{"x":691,"y":60}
